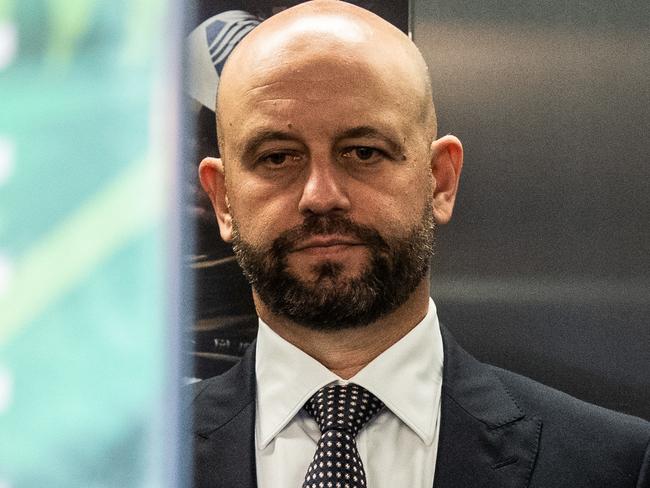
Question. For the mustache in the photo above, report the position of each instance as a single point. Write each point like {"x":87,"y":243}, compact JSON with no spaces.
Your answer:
{"x":319,"y":225}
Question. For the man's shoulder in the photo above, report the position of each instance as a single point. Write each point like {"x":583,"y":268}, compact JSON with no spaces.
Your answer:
{"x":558,"y":439}
{"x":221,"y":411}
{"x":475,"y":383}
{"x":580,"y":433}
{"x":218,"y":399}
{"x":203,"y":390}
{"x":555,"y":406}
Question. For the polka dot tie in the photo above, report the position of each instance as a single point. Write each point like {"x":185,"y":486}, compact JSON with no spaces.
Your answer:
{"x":340,"y":411}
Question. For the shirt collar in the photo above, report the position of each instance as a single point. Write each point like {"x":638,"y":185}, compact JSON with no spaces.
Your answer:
{"x":407,"y":377}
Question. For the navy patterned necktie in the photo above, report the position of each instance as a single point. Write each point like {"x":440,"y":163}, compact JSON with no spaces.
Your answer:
{"x":340,"y":411}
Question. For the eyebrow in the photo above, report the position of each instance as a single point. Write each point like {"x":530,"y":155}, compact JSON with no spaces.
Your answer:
{"x":252,"y":144}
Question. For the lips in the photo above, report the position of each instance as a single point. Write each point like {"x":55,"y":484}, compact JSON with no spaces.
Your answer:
{"x":322,"y":242}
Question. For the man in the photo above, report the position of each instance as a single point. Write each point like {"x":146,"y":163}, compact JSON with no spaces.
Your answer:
{"x":330,"y":184}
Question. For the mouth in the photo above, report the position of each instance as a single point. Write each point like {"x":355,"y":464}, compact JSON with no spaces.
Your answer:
{"x":326,"y":244}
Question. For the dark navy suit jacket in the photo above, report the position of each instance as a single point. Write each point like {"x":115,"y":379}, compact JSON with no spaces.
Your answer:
{"x":498,"y":430}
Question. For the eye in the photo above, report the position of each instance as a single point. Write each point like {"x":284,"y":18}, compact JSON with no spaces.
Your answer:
{"x":363,"y":154}
{"x":278,"y":159}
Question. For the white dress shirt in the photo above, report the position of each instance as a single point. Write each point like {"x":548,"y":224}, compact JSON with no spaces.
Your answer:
{"x":398,"y":447}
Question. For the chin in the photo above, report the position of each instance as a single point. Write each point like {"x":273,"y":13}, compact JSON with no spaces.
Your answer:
{"x":334,"y":272}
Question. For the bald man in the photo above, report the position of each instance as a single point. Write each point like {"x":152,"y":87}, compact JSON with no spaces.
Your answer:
{"x":330,"y":185}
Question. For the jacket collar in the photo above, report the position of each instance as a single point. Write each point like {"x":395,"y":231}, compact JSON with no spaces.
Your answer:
{"x":223,"y":412}
{"x":485,"y":437}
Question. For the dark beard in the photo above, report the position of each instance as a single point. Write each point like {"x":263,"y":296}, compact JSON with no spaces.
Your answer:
{"x":331,"y":302}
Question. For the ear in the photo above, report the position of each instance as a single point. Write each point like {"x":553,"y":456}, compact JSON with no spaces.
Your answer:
{"x":213,"y":181}
{"x":446,"y":165}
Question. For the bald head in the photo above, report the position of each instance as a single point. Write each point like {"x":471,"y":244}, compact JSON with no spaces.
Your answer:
{"x":334,"y":42}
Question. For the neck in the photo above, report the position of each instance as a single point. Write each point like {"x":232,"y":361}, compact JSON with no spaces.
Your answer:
{"x":346,"y":352}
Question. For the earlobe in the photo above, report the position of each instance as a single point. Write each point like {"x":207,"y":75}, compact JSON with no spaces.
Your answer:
{"x":446,"y":165}
{"x":213,"y":181}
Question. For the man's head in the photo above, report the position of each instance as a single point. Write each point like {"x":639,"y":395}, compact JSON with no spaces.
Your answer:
{"x":330,"y":178}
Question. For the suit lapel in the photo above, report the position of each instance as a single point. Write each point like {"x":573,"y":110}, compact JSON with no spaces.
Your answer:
{"x":485,"y":440}
{"x":224,"y":428}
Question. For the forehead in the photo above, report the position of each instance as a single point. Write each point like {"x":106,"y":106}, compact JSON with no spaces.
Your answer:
{"x":331,"y":88}
{"x":321,"y":77}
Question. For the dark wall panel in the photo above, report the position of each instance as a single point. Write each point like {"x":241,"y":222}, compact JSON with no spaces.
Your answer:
{"x":545,"y":267}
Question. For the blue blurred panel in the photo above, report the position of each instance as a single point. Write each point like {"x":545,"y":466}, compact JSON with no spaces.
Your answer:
{"x":82,"y":322}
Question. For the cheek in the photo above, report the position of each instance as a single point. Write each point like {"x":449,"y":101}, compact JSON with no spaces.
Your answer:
{"x":398,"y":205}
{"x":260,"y":214}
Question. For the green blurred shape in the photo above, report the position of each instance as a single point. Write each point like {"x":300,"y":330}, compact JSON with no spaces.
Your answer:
{"x":82,"y":324}
{"x":62,"y":259}
{"x":6,"y":9}
{"x":69,"y":20}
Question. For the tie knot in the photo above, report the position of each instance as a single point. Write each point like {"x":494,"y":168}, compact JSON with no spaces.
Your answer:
{"x":343,"y":407}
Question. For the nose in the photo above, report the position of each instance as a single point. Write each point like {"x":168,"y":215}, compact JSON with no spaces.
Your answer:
{"x":324,"y":190}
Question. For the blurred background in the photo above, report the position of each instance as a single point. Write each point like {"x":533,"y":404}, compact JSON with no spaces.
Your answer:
{"x":545,"y":268}
{"x":86,"y":187}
